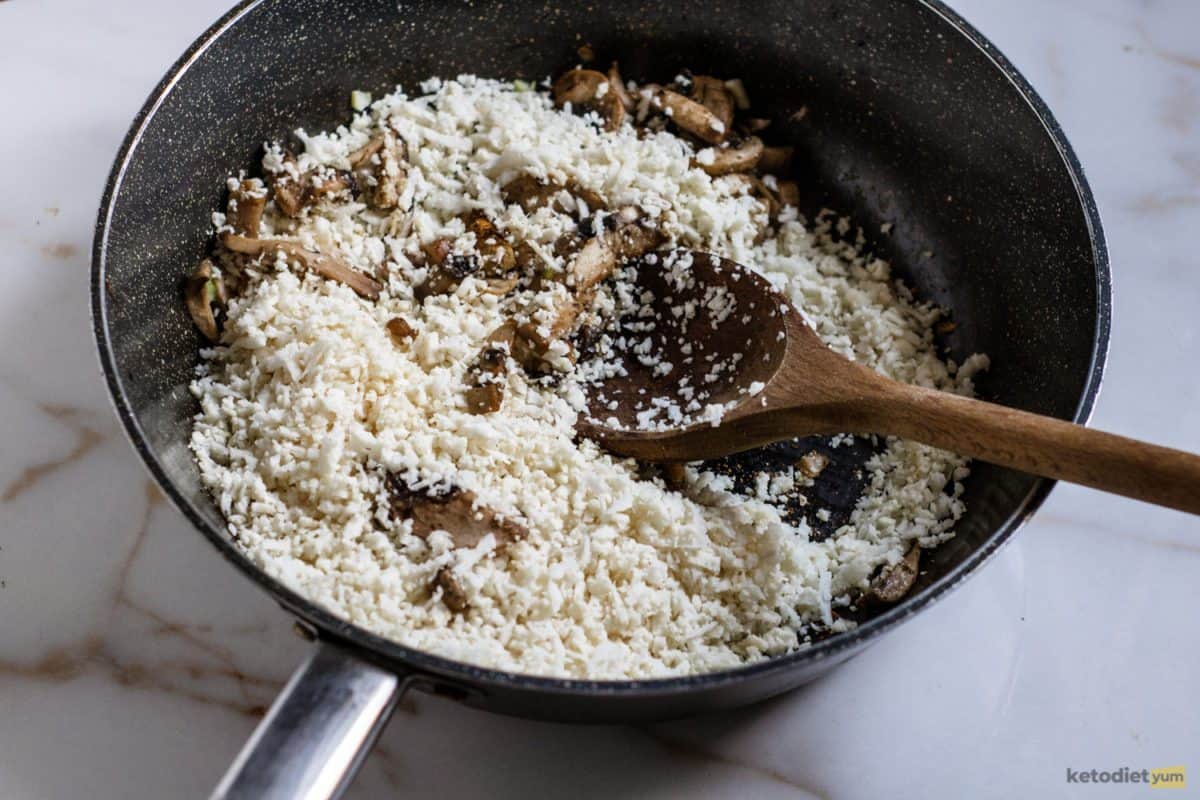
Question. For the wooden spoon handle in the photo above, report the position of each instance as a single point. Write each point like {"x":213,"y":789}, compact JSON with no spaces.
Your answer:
{"x":1040,"y":445}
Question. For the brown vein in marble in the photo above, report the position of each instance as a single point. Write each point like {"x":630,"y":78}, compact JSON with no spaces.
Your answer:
{"x":63,"y":251}
{"x":1158,"y":204}
{"x":388,"y":763}
{"x":689,"y":752}
{"x":64,"y":664}
{"x":1191,"y":62}
{"x":86,"y":440}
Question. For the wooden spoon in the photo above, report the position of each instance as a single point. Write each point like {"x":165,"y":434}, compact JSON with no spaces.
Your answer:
{"x":743,"y":346}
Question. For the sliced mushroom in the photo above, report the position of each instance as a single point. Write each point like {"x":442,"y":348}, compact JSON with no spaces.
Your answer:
{"x":896,"y":580}
{"x":713,"y":94}
{"x":289,"y":188}
{"x":741,"y":157}
{"x":788,"y":193}
{"x":813,"y":463}
{"x":634,"y":239}
{"x":295,"y":191}
{"x":590,"y":90}
{"x":532,"y":193}
{"x":690,"y":116}
{"x":245,"y":208}
{"x":454,"y":597}
{"x":503,"y":285}
{"x":457,"y":512}
{"x":436,"y":252}
{"x":737,"y":91}
{"x":400,"y":330}
{"x":324,"y":265}
{"x":379,"y":169}
{"x":529,"y":192}
{"x":617,"y":86}
{"x":756,"y":124}
{"x":446,"y":268}
{"x":496,"y":253}
{"x":589,"y":198}
{"x":204,"y":289}
{"x":486,"y":379}
{"x":593,"y":263}
{"x":535,"y":350}
{"x":776,"y":160}
{"x":528,"y":258}
{"x":674,"y":475}
{"x":785,"y":193}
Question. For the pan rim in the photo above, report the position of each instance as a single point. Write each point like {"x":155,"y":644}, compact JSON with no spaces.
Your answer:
{"x":401,"y":658}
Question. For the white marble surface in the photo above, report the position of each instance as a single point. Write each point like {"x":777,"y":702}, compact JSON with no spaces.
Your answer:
{"x":133,"y":661}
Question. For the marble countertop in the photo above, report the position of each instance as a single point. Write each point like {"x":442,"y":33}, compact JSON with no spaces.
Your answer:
{"x":134,"y":661}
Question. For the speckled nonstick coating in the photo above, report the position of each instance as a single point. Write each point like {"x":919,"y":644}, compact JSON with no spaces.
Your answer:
{"x":912,"y":118}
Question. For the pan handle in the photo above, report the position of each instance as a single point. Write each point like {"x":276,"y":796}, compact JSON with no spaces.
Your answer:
{"x":318,"y":731}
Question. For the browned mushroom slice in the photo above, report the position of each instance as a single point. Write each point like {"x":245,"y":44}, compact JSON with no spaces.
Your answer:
{"x":756,"y":124}
{"x":328,"y":182}
{"x":486,"y":378}
{"x":713,"y":94}
{"x":528,"y":258}
{"x":379,"y":168}
{"x":599,"y":256}
{"x":763,"y":193}
{"x":454,"y":597}
{"x":590,"y":90}
{"x":776,"y":160}
{"x":532,"y":193}
{"x":335,"y":269}
{"x":324,"y":265}
{"x":591,"y":199}
{"x":737,"y":92}
{"x":400,"y":330}
{"x":437,"y":251}
{"x":896,"y":580}
{"x":741,"y":157}
{"x":529,"y":192}
{"x":534,"y":345}
{"x":691,"y":117}
{"x":245,"y":209}
{"x":204,"y":289}
{"x":635,"y":239}
{"x":457,"y":512}
{"x":289,"y":188}
{"x":594,"y":262}
{"x":788,"y":193}
{"x":444,"y":277}
{"x":674,"y":475}
{"x":295,"y":191}
{"x":496,"y":253}
{"x":617,"y":86}
{"x":504,"y":284}
{"x":813,"y":463}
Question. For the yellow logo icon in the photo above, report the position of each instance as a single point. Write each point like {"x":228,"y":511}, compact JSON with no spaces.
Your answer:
{"x":1168,"y":778}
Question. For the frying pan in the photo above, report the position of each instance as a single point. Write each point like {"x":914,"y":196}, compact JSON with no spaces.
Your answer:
{"x":907,"y":117}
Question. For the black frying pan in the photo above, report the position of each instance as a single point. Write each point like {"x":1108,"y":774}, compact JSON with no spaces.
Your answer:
{"x":912,"y":119}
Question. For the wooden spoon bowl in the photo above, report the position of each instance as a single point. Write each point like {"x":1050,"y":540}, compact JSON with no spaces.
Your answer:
{"x":707,"y":331}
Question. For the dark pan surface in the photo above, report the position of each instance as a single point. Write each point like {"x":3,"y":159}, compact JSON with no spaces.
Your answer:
{"x":911,"y":119}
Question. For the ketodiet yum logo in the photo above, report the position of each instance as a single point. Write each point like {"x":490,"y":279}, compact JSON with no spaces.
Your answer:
{"x":1161,"y":778}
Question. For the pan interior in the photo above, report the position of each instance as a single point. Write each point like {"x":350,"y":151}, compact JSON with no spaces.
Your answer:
{"x":899,"y":123}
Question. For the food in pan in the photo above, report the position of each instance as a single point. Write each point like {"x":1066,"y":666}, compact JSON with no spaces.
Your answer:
{"x":400,"y":312}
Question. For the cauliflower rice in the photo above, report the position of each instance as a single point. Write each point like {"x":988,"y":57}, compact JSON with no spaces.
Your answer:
{"x":308,"y":404}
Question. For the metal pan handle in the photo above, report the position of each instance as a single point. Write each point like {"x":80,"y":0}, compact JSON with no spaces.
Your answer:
{"x":318,"y":731}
